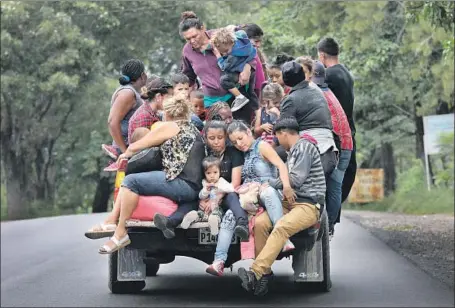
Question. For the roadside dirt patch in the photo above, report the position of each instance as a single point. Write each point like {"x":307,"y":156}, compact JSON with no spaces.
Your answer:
{"x":427,"y":240}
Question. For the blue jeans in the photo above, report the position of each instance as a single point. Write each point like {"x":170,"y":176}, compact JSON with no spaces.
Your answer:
{"x":271,"y":200}
{"x":154,"y":183}
{"x":124,"y":129}
{"x":225,"y":236}
{"x":231,"y":202}
{"x":334,"y":184}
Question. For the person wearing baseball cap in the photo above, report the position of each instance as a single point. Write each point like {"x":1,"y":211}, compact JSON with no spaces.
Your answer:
{"x":342,"y":131}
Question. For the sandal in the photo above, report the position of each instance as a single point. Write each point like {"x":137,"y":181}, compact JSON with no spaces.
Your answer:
{"x":101,"y":230}
{"x":119,"y":244}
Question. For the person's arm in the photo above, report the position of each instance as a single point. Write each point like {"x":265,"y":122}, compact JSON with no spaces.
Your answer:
{"x":204,"y":193}
{"x":288,"y":108}
{"x":244,"y":76}
{"x":236,"y":176}
{"x":271,"y":156}
{"x":160,"y":134}
{"x":187,"y":69}
{"x":302,"y":166}
{"x":122,"y":105}
{"x":223,"y":63}
{"x":237,"y":161}
{"x":257,"y":123}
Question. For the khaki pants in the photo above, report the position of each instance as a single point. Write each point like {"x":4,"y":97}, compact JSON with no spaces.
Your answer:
{"x":296,"y":218}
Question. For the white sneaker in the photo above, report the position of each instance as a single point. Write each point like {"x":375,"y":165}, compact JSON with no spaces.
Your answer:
{"x":189,"y":218}
{"x":239,"y":102}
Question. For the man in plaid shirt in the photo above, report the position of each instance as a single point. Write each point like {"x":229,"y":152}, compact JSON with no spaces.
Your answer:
{"x":148,"y":113}
{"x":343,"y":132}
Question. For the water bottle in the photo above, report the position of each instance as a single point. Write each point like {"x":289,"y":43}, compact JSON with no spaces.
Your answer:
{"x":212,"y":197}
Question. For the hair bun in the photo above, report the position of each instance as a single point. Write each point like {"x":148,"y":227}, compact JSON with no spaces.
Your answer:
{"x":187,"y":14}
{"x":124,"y":80}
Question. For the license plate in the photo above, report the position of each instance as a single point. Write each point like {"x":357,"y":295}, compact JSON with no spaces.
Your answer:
{"x":206,"y":238}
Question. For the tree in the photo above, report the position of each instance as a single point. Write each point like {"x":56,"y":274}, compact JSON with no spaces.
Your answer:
{"x":46,"y":63}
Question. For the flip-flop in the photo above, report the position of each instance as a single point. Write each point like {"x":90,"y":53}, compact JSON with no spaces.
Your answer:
{"x":100,"y":231}
{"x":119,"y":244}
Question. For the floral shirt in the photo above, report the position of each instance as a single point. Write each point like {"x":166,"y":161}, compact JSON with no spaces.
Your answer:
{"x":176,"y":150}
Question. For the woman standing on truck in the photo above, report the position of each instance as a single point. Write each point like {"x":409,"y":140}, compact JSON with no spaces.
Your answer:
{"x":182,"y":151}
{"x":124,"y":102}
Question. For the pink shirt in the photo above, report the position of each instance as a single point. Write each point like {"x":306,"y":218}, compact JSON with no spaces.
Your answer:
{"x":260,"y":77}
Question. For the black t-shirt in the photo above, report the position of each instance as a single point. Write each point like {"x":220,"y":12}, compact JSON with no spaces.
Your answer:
{"x":231,"y":158}
{"x":192,"y":172}
{"x":340,"y":81}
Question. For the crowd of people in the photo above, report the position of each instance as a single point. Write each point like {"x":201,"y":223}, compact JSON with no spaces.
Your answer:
{"x":239,"y":137}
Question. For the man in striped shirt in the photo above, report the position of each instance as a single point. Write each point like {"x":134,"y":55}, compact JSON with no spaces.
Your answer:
{"x":308,"y":181}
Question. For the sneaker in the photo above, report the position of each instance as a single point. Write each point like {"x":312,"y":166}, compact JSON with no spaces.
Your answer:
{"x":252,"y":284}
{"x":288,"y":246}
{"x":269,"y":276}
{"x":162,"y":223}
{"x":214,"y":224}
{"x":216,"y":268}
{"x":110,"y":150}
{"x":189,"y":218}
{"x":241,"y":231}
{"x":239,"y":102}
{"x":113,"y":166}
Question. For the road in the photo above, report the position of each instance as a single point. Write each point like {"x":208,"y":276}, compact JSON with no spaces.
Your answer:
{"x":49,"y":262}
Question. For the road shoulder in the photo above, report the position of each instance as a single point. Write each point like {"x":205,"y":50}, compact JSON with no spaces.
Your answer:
{"x":426,"y":240}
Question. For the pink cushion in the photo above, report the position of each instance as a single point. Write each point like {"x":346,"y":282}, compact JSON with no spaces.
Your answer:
{"x":148,"y":206}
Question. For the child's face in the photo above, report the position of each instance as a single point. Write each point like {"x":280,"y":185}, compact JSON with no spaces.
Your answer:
{"x":225,"y":49}
{"x":276,"y":76}
{"x":212,"y":174}
{"x":274,"y":103}
{"x":270,"y":103}
{"x":198,"y":106}
{"x":182,"y":89}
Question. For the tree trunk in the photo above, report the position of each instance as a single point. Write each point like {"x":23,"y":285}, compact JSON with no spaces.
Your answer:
{"x":418,"y":120}
{"x":383,"y":157}
{"x":103,"y":192}
{"x":16,"y":192}
{"x":388,"y":164}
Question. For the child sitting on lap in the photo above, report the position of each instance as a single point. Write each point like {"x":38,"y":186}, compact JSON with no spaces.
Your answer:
{"x":211,"y":195}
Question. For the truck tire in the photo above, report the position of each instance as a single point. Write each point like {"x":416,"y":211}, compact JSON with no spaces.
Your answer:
{"x":121,"y":287}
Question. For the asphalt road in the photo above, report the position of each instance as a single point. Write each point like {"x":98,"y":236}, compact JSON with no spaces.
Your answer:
{"x":49,"y":262}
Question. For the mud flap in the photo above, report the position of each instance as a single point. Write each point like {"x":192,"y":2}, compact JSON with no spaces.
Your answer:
{"x":307,"y":265}
{"x":130,"y":265}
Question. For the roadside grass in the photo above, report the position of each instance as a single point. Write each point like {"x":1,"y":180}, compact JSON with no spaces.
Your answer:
{"x":417,"y":201}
